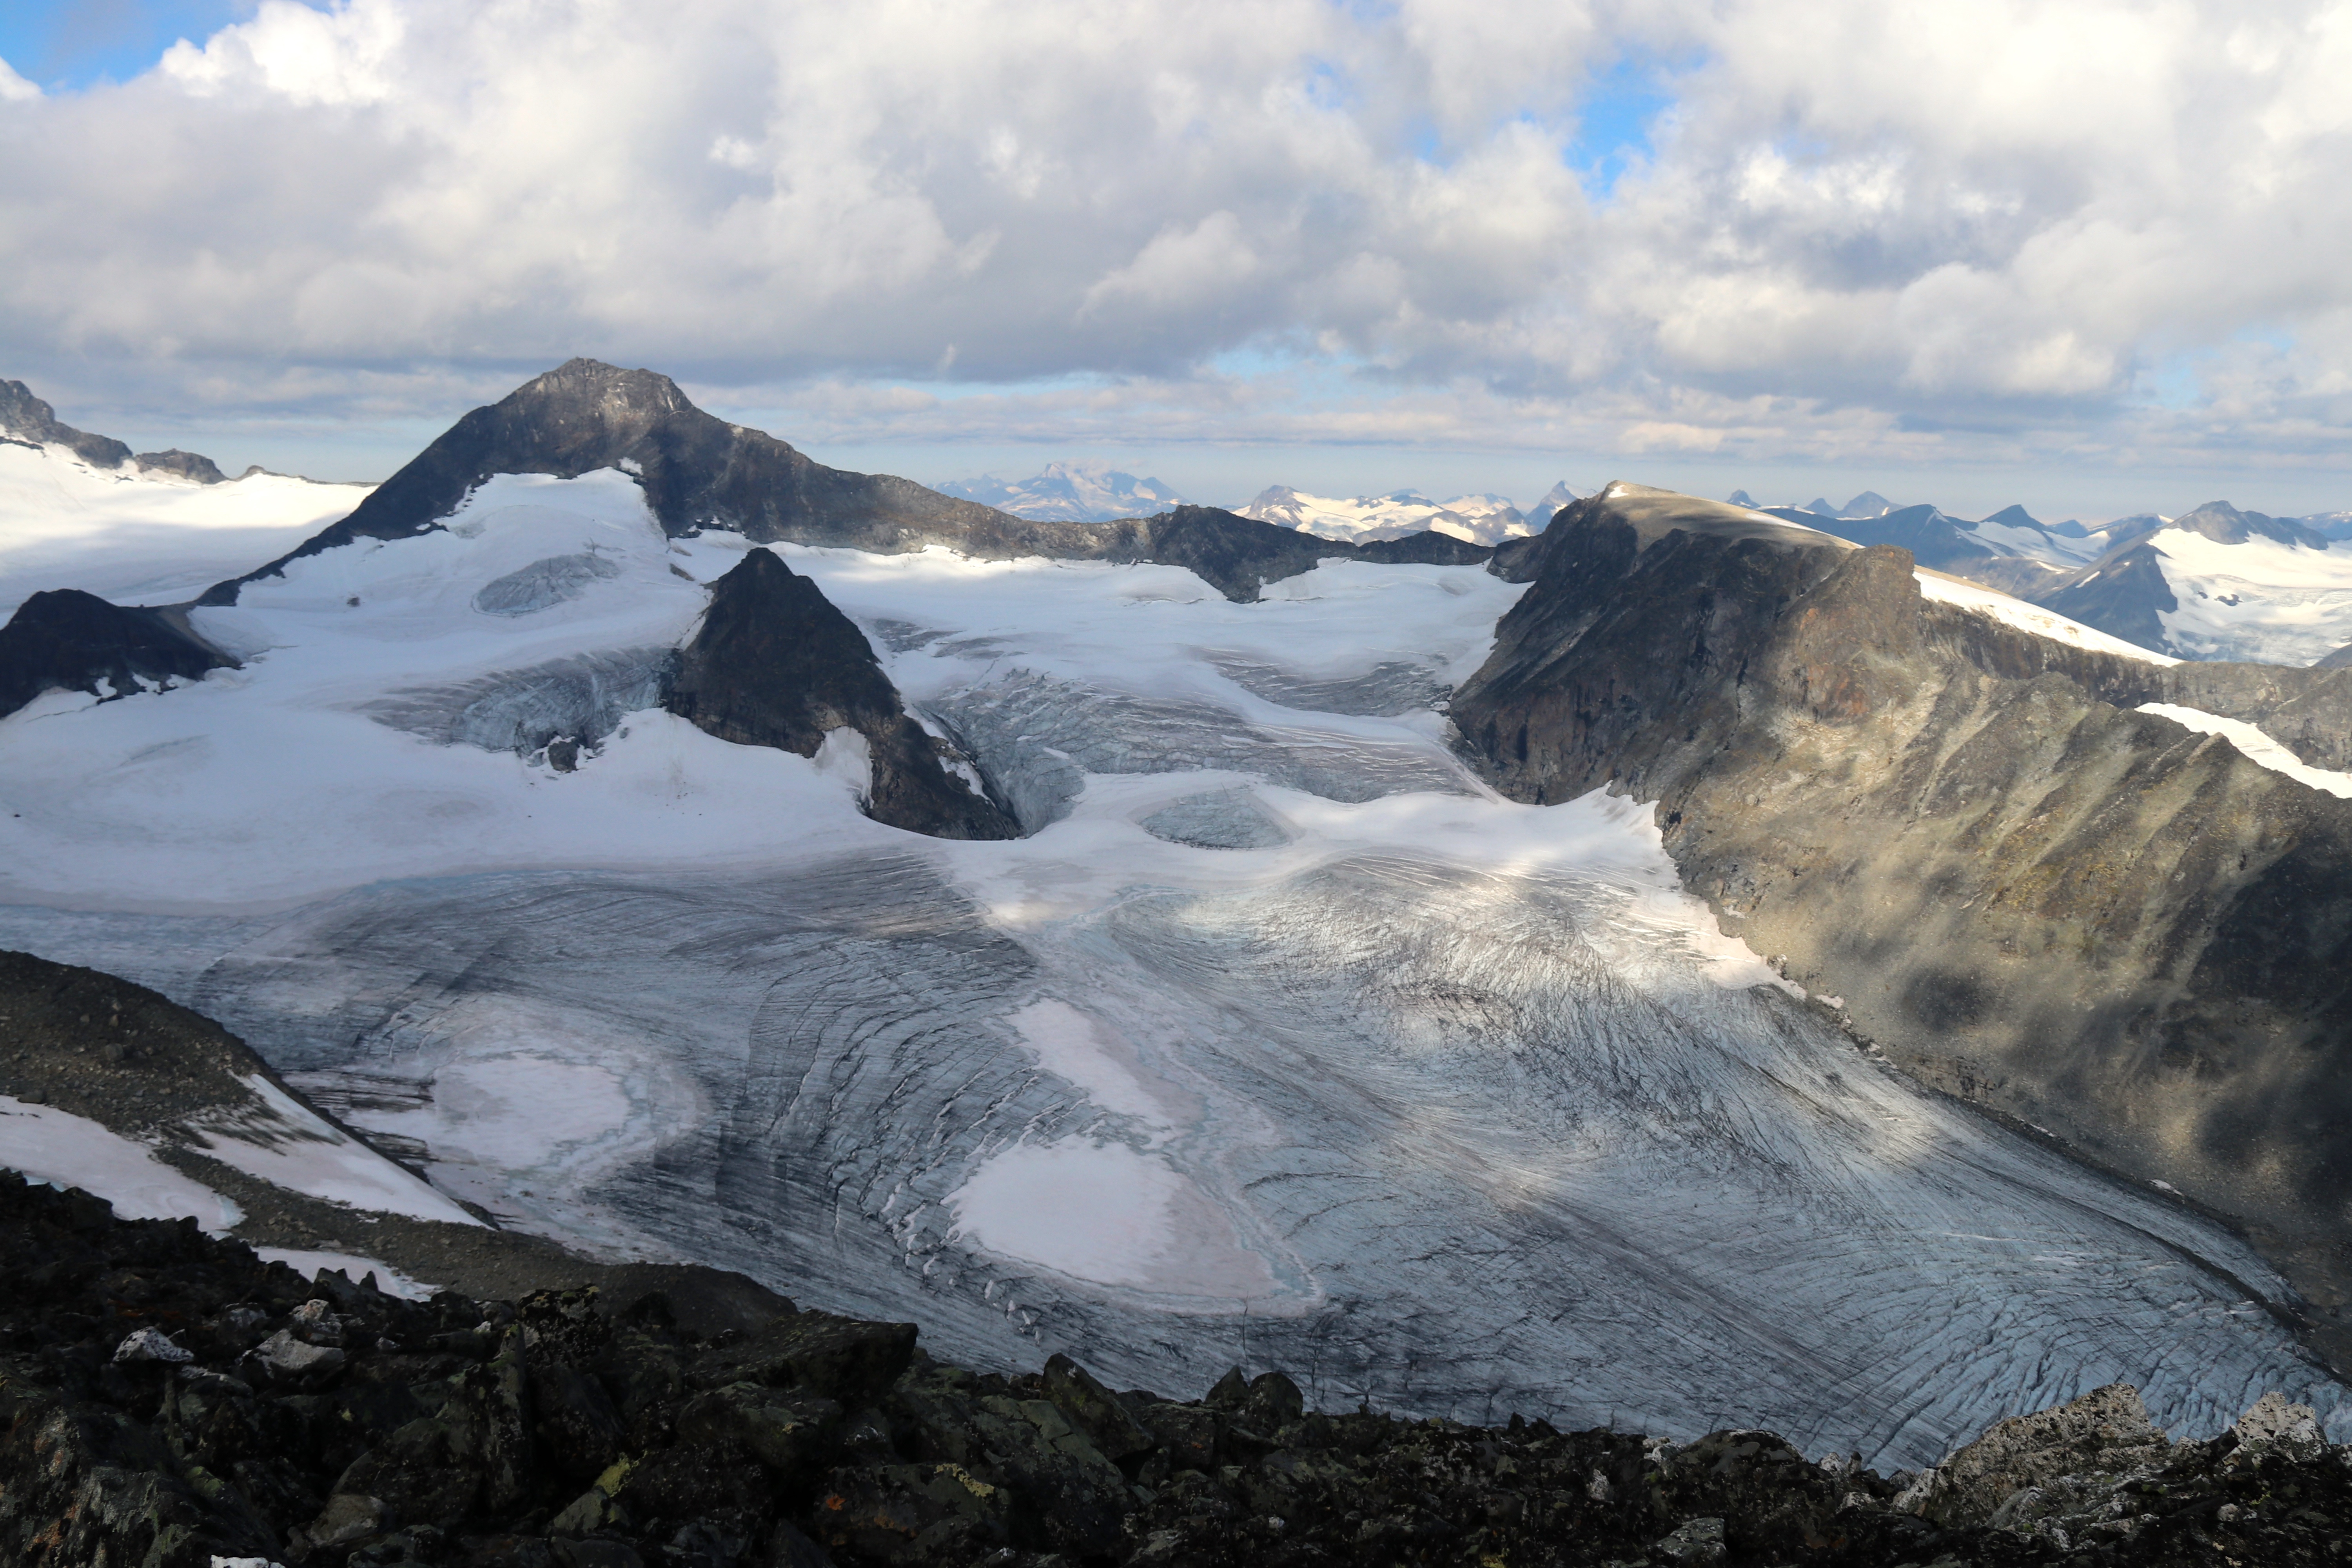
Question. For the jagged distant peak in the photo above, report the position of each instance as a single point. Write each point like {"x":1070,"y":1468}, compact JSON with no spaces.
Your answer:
{"x":2016,"y":516}
{"x":1740,"y":498}
{"x":1820,"y":507}
{"x":1869,"y":503}
{"x":1558,"y":496}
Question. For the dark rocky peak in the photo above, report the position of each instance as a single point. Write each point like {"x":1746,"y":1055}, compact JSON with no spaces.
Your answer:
{"x":1740,"y":498}
{"x":2018,"y":517}
{"x":26,"y":417}
{"x":775,"y":664}
{"x":1869,"y":503}
{"x":698,"y":472}
{"x":2225,"y":524}
{"x":66,"y":641}
{"x":2070,"y":528}
{"x":182,"y":465}
{"x":1820,"y":506}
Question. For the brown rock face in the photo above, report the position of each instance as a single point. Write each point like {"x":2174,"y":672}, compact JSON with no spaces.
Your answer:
{"x":775,"y":664}
{"x":2085,"y":916}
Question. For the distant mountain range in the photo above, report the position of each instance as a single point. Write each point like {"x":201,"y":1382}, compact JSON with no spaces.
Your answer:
{"x":1485,"y":519}
{"x":1069,"y":492}
{"x":2214,"y":583}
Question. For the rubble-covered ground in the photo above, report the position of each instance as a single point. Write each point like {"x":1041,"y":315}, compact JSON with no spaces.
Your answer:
{"x":168,"y":1400}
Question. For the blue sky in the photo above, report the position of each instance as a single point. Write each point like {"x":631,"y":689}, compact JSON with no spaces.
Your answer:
{"x":74,"y":43}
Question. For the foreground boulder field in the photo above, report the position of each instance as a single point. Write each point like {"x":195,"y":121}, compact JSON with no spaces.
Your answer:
{"x":169,"y":1400}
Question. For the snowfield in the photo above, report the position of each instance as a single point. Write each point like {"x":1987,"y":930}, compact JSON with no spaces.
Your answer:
{"x":2262,"y":601}
{"x":139,"y":538}
{"x":2014,"y":612}
{"x":1280,"y":1040}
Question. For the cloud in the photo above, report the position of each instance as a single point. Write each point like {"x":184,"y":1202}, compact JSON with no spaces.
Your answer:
{"x":1855,"y":219}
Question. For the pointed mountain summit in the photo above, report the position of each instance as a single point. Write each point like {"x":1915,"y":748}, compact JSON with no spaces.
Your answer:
{"x":2017,"y":517}
{"x":1741,"y":497}
{"x":1820,"y":507}
{"x":1869,"y":503}
{"x":1558,"y":496}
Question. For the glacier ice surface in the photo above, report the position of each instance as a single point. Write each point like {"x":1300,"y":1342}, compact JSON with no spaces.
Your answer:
{"x":1426,"y":1097}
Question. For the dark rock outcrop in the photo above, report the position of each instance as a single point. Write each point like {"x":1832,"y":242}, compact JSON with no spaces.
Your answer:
{"x":700,"y":472}
{"x":168,"y":1399}
{"x":775,"y":664}
{"x":66,"y":641}
{"x":182,"y":465}
{"x":28,"y":418}
{"x":2087,"y":917}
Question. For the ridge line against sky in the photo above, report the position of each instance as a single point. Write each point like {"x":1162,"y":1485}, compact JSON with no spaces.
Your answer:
{"x":2079,"y":254}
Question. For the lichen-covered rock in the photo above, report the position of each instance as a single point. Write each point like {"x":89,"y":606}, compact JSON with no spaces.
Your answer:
{"x":2106,"y":1432}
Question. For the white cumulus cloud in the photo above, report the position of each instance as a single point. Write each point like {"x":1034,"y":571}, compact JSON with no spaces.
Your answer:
{"x":1844,"y":220}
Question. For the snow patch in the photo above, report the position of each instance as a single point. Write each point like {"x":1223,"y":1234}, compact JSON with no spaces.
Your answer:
{"x":2013,"y":612}
{"x":294,"y":1149}
{"x":2256,"y":747}
{"x":63,"y":1150}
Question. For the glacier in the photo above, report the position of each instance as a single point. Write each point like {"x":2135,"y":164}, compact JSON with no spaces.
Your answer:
{"x":1281,"y":1040}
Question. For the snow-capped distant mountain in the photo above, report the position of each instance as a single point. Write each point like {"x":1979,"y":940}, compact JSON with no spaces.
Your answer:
{"x":2216,"y":584}
{"x":1558,"y":496}
{"x":1360,"y":520}
{"x":1069,"y":492}
{"x":2212,"y":583}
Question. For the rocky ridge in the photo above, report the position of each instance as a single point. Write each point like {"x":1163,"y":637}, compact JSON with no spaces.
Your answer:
{"x":699,"y":471}
{"x":171,"y":1400}
{"x":2084,"y":917}
{"x":29,"y":419}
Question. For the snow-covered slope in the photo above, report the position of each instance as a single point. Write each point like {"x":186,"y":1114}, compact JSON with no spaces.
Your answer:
{"x":1479,"y":519}
{"x":1282,"y":1040}
{"x":2012,"y":611}
{"x":1069,"y":492}
{"x":2259,"y":600}
{"x":141,"y":537}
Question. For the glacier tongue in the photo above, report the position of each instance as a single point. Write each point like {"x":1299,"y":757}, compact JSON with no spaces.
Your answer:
{"x":1285,"y":1041}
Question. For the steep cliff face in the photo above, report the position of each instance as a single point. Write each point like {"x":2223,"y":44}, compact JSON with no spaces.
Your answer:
{"x":700,"y":472}
{"x":776,"y":664}
{"x":71,"y":641}
{"x":2085,"y":916}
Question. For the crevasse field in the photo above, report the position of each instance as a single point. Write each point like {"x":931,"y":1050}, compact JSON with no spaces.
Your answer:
{"x":1279,"y":1040}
